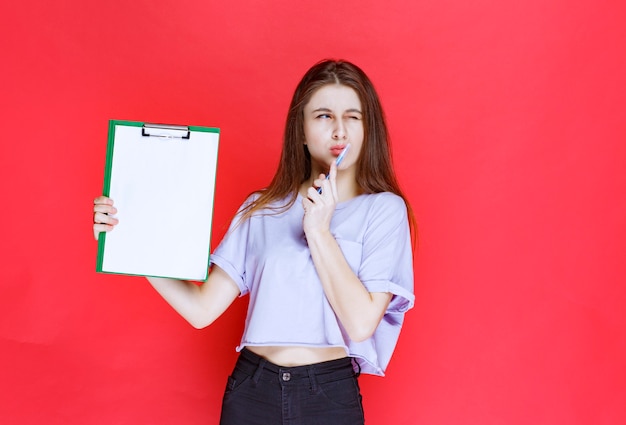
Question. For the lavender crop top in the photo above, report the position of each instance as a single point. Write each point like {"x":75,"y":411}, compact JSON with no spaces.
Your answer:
{"x":268,"y":258}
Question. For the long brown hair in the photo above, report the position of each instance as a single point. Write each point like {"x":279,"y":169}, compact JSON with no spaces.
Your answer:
{"x":374,"y":167}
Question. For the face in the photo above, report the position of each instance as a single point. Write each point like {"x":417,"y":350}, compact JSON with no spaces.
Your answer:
{"x":332,"y":119}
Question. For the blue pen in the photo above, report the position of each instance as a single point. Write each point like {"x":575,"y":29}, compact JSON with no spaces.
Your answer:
{"x":337,"y":161}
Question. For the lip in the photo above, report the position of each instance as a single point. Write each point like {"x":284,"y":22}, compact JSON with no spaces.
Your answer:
{"x":337,"y":149}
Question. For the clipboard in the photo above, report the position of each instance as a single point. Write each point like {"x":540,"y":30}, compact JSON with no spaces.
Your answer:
{"x":162,"y":180}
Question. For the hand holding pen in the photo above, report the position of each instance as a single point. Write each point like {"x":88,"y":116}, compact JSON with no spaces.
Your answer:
{"x":319,"y":205}
{"x":337,"y":163}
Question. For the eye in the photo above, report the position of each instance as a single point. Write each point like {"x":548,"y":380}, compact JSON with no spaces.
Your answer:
{"x":323,"y":116}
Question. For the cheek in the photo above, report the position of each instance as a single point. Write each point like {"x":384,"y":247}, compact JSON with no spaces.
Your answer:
{"x":358,"y":134}
{"x":307,"y":133}
{"x":357,"y":145}
{"x":357,"y":128}
{"x":315,"y":132}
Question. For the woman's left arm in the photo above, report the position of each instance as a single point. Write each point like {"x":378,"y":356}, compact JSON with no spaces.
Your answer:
{"x":358,"y":310}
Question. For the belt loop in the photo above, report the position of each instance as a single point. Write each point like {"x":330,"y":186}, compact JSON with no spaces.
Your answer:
{"x":259,"y":369}
{"x":312,"y":380}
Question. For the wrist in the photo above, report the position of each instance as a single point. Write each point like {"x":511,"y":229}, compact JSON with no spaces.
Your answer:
{"x":318,"y":235}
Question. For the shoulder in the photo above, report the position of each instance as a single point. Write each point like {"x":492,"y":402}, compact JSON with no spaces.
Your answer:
{"x":250,"y":199}
{"x":261,"y":207}
{"x":389,"y":199}
{"x":385,"y":213}
{"x":385,"y":203}
{"x":382,"y":211}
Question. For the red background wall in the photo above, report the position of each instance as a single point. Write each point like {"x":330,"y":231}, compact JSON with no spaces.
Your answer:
{"x":508,"y":122}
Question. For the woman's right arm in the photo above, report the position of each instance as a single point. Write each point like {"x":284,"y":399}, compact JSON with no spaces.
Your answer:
{"x":201,"y":304}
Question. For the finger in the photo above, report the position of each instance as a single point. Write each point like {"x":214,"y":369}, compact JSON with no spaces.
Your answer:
{"x":318,"y":184}
{"x":325,"y":188}
{"x":105,"y":209}
{"x":333,"y":169}
{"x":319,"y":180}
{"x":313,"y":195}
{"x":101,"y":218}
{"x":103,"y":200}
{"x":306,"y":203}
{"x":98,"y":228}
{"x":332,"y":179}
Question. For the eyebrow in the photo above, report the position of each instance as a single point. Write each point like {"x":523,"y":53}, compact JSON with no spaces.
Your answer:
{"x":330,"y":110}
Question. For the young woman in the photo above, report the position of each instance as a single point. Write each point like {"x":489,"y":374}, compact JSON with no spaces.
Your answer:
{"x":325,"y":255}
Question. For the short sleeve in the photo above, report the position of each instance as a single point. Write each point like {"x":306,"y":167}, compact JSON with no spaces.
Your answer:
{"x":386,"y":266}
{"x":387,"y":257}
{"x":231,"y":254}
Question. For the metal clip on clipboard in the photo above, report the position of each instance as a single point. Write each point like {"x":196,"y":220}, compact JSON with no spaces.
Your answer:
{"x":165,"y":130}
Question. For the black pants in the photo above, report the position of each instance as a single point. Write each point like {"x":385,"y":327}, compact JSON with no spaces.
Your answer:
{"x":261,"y":393}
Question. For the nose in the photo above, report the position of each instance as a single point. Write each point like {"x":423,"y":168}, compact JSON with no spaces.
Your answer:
{"x":339,"y":132}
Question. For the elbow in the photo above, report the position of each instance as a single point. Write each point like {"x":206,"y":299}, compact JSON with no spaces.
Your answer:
{"x":200,"y":317}
{"x":198,"y":325}
{"x":361,"y":333}
{"x":363,"y":327}
{"x":199,"y":322}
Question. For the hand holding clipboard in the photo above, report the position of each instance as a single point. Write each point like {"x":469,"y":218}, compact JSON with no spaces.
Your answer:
{"x":176,"y":164}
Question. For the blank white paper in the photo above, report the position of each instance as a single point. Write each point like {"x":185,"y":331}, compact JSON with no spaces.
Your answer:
{"x":163,"y":189}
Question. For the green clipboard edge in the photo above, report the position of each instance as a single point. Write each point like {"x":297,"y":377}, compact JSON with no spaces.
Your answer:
{"x":107,"y":188}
